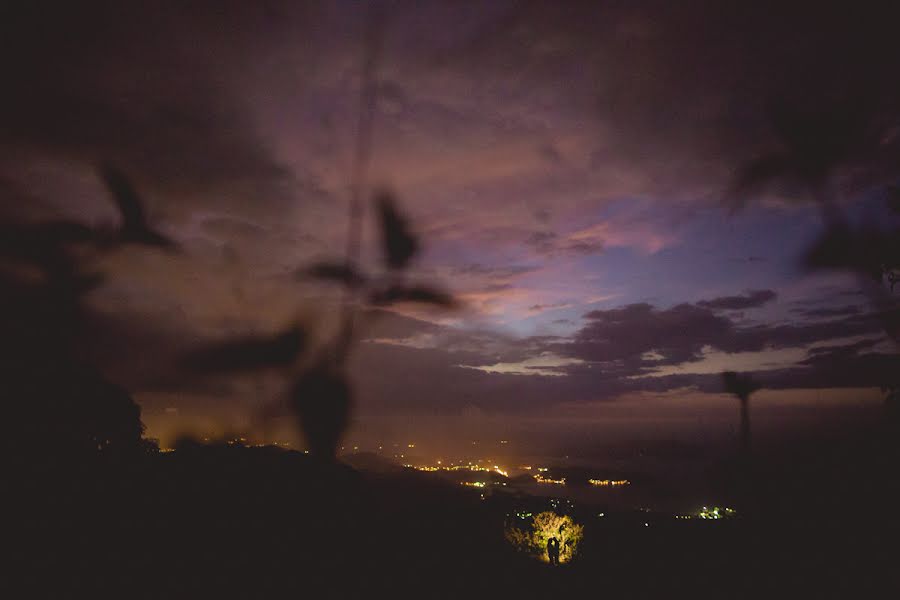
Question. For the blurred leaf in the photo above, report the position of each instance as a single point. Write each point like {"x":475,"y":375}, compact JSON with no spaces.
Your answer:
{"x":134,"y":227}
{"x":759,"y":173}
{"x":893,"y":199}
{"x":248,"y":353}
{"x":81,"y":283}
{"x":814,"y":138}
{"x":45,"y":244}
{"x":343,"y":273}
{"x":400,"y":245}
{"x":426,"y":295}
{"x":822,"y":135}
{"x":867,"y":251}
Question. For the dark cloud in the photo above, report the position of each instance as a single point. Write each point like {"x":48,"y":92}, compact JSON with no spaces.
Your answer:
{"x":543,"y":307}
{"x":687,"y":90}
{"x":151,"y":87}
{"x":751,"y":299}
{"x":543,"y":215}
{"x":831,"y":353}
{"x":432,"y":381}
{"x":500,"y":272}
{"x":855,"y":365}
{"x":445,"y":374}
{"x":679,"y":334}
{"x":750,"y":259}
{"x":379,"y":323}
{"x":550,"y":243}
{"x":493,"y":288}
{"x":823,"y":313}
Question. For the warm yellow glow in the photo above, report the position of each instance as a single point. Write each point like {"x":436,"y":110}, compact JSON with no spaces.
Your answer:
{"x":467,"y":467}
{"x":541,"y":479}
{"x":534,"y":540}
{"x":715,"y":512}
{"x":609,"y":482}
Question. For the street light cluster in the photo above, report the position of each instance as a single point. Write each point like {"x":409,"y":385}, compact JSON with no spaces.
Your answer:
{"x":609,"y":482}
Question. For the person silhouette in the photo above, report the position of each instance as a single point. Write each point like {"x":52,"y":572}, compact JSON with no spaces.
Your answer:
{"x":553,"y":550}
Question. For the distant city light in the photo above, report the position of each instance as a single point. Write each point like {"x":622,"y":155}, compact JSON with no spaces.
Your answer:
{"x":541,"y":479}
{"x":716,"y":512}
{"x":609,"y":482}
{"x":467,"y":467}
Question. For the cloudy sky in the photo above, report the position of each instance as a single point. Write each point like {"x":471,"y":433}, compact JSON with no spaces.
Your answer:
{"x":570,"y":169}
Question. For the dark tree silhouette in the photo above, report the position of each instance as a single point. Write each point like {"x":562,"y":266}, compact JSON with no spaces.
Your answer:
{"x":61,"y":405}
{"x":742,"y":387}
{"x":892,"y":405}
{"x":70,"y":413}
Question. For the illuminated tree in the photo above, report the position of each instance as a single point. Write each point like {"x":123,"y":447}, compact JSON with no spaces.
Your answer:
{"x":544,"y":526}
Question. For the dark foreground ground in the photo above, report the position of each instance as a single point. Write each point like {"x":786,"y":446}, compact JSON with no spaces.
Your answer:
{"x":222,"y":522}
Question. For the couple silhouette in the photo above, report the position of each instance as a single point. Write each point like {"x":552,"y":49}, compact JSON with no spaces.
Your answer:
{"x":553,"y":550}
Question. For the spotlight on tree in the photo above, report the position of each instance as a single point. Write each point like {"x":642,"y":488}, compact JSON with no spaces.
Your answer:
{"x":537,"y":535}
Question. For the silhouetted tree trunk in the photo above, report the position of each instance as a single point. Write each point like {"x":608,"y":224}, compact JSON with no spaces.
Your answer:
{"x":745,"y":426}
{"x":741,"y":387}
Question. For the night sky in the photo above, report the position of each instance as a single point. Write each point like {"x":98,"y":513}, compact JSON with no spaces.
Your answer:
{"x":568,"y":167}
